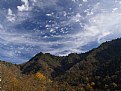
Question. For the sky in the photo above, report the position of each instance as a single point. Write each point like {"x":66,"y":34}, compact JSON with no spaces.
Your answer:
{"x":59,"y":27}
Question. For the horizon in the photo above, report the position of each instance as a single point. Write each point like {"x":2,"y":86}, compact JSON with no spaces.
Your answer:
{"x":28,"y":27}
{"x":58,"y":55}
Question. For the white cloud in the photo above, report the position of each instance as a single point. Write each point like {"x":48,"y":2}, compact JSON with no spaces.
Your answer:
{"x":101,"y":25}
{"x":85,"y":0}
{"x":44,"y":3}
{"x":25,"y":6}
{"x":48,"y":14}
{"x":10,"y":16}
{"x":76,"y":18}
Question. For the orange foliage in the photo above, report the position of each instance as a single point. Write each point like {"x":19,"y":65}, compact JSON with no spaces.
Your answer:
{"x":40,"y":76}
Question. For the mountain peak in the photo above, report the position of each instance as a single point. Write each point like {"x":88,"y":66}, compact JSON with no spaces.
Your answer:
{"x":98,"y":69}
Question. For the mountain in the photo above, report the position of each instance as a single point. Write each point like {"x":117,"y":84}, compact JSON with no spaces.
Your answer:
{"x":102,"y":67}
{"x":96,"y":70}
{"x":54,"y":65}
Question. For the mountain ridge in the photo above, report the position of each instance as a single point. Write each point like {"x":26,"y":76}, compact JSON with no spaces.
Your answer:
{"x":97,"y":69}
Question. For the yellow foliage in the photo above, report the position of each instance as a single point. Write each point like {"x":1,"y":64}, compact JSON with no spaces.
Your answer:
{"x":114,"y":84}
{"x":87,"y":79}
{"x":89,"y":87}
{"x":50,"y":81}
{"x":82,"y":89}
{"x":14,"y":80}
{"x":92,"y":84}
{"x":40,"y":76}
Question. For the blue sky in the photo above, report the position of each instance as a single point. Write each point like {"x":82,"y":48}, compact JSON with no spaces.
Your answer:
{"x":59,"y":27}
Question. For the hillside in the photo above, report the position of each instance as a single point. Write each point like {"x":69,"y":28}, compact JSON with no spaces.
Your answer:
{"x":101,"y":67}
{"x":96,"y":70}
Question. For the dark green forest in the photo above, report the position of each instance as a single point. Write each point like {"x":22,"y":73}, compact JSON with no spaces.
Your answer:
{"x":96,"y":70}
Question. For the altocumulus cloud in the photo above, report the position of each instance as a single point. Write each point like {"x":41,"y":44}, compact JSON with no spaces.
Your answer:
{"x":56,"y":26}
